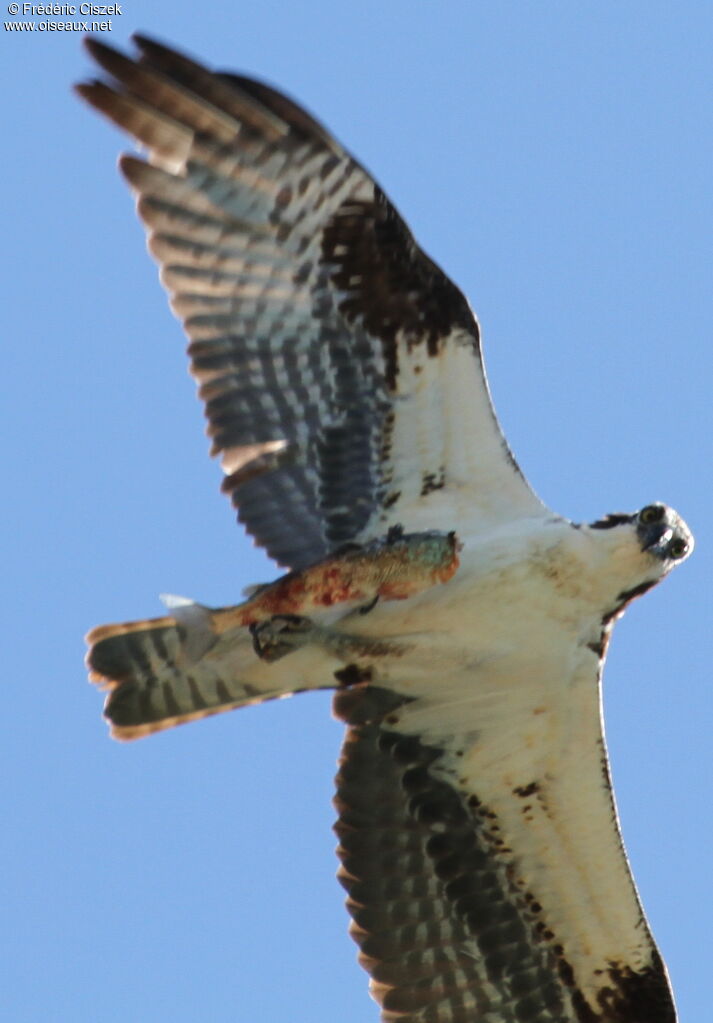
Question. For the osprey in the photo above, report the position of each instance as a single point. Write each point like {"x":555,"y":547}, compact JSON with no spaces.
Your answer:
{"x":463,"y":624}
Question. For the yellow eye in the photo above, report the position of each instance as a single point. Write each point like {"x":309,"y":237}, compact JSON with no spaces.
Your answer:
{"x":677,"y":548}
{"x":651,"y":513}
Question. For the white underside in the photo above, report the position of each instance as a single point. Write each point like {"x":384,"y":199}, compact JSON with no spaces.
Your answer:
{"x":498,"y":662}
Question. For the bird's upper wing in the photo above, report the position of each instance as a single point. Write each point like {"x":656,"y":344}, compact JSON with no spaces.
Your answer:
{"x":339,"y":366}
{"x":486,"y":876}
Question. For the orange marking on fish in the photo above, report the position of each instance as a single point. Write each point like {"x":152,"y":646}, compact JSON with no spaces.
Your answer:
{"x":392,"y":570}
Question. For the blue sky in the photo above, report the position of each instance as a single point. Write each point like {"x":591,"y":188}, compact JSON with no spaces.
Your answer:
{"x":555,"y":159}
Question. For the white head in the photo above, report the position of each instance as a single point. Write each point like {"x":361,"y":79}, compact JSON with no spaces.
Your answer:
{"x":644,"y":546}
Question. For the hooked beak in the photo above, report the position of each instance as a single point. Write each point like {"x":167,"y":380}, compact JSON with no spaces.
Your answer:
{"x":655,"y":537}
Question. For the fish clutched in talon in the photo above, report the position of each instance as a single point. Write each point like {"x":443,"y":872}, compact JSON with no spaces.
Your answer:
{"x":194,"y":663}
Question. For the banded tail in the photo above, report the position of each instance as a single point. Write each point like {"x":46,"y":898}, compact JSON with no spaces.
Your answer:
{"x":167,"y":671}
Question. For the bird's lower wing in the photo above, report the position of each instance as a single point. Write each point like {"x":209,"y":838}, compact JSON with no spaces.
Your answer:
{"x":502,"y":897}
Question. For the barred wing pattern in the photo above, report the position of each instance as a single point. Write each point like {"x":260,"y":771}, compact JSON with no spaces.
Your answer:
{"x":444,"y":911}
{"x":339,"y":367}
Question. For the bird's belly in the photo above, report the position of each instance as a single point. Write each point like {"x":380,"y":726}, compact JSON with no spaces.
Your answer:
{"x":498,"y":644}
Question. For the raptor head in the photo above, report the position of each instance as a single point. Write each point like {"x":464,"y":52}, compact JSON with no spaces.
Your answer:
{"x":641,"y":548}
{"x":663,"y":534}
{"x":659,"y":530}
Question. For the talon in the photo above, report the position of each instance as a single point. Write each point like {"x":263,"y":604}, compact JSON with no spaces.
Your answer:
{"x":280,"y":635}
{"x":254,"y":630}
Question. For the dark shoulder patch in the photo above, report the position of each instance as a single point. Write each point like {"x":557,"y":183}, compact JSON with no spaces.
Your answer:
{"x":609,"y":521}
{"x":389,"y":285}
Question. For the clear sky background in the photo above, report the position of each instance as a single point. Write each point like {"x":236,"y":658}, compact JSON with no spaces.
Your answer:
{"x":556,"y":159}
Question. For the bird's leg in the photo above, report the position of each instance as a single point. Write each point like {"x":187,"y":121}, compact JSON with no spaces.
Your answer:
{"x":275,"y":637}
{"x":282,"y":634}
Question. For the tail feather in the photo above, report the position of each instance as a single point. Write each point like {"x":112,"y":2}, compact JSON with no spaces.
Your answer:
{"x":165,"y":672}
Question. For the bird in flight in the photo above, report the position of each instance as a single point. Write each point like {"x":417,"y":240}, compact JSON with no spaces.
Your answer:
{"x":462,"y":624}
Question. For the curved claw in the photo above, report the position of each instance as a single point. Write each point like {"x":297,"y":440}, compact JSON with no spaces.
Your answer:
{"x":280,"y":635}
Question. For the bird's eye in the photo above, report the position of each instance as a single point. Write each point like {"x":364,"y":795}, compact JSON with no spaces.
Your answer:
{"x":651,"y":513}
{"x":677,"y":548}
